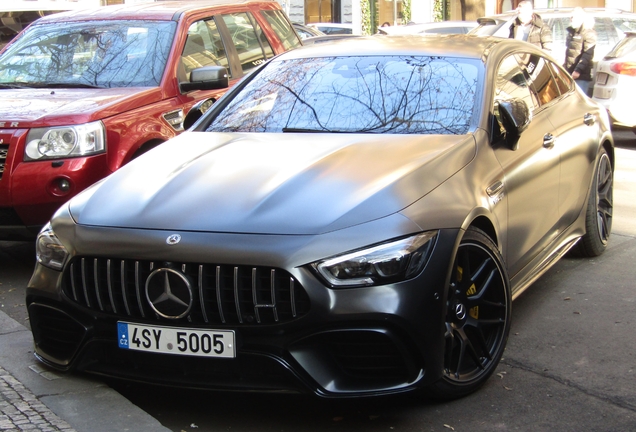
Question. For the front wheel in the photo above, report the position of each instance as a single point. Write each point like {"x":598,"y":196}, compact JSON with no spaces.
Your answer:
{"x":599,"y":212}
{"x":477,"y":319}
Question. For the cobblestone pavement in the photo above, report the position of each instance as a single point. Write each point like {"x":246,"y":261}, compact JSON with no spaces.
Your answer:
{"x":20,"y":410}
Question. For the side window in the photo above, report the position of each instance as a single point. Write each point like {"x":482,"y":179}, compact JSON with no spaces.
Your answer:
{"x":283,"y":29}
{"x":562,"y":78}
{"x":538,"y":70}
{"x":511,"y":82}
{"x":203,"y":47}
{"x":251,"y":44}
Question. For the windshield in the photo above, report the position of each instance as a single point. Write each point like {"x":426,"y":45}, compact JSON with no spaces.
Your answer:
{"x":89,"y":54}
{"x":395,"y":94}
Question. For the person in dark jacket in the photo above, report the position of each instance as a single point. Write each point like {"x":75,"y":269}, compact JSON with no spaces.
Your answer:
{"x":528,"y":26}
{"x":579,"y":48}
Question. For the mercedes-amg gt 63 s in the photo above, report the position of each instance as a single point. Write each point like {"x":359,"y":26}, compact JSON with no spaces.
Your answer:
{"x":350,"y":219}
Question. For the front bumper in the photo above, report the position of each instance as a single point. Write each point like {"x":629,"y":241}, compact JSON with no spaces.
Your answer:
{"x":30,"y":192}
{"x":344,"y":342}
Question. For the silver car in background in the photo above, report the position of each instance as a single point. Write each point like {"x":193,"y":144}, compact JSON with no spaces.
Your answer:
{"x":615,"y":86}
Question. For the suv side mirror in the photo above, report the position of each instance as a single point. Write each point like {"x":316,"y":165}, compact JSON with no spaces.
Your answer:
{"x":206,"y":78}
{"x":515,"y":117}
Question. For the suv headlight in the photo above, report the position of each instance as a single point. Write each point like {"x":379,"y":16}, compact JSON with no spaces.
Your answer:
{"x":65,"y":141}
{"x":386,"y":263}
{"x":50,"y":252}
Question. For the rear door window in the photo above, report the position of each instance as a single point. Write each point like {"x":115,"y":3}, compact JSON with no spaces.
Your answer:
{"x":250,"y":41}
{"x":538,"y":70}
{"x":283,"y":29}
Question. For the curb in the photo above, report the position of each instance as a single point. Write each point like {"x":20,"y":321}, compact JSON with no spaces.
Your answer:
{"x":36,"y":398}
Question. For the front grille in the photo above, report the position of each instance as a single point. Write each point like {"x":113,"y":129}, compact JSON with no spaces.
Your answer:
{"x":4,"y":152}
{"x":221,"y":294}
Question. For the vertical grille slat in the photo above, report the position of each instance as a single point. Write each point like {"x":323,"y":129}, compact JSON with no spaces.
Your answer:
{"x":109,"y":282}
{"x":202,"y":294}
{"x":73,"y":283}
{"x":138,"y":290}
{"x":124,"y":291}
{"x":221,"y":294}
{"x":255,"y":296}
{"x":272,"y":286}
{"x":96,"y":287}
{"x":84,"y":284}
{"x":237,"y":297}
{"x":4,"y":153}
{"x":217,"y":286}
{"x":291,"y":296}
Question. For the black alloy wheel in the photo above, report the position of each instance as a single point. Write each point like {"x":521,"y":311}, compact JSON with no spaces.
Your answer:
{"x":600,"y":207}
{"x":477,"y":319}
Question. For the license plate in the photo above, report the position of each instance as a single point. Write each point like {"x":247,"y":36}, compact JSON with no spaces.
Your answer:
{"x":176,"y":340}
{"x":601,"y":78}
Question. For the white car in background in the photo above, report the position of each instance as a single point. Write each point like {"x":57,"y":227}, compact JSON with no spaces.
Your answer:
{"x":615,"y":86}
{"x":441,"y":27}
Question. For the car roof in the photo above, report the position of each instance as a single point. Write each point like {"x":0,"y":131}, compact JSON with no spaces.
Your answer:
{"x":163,"y":10}
{"x":447,"y":45}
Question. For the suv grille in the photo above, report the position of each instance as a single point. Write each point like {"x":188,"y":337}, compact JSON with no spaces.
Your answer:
{"x":4,"y":151}
{"x":220,"y":294}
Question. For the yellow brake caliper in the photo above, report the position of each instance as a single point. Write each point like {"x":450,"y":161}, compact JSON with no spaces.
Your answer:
{"x":474,"y":311}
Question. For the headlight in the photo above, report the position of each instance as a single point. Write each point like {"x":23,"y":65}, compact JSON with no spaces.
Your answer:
{"x":66,"y":141}
{"x":49,"y":251}
{"x":385,"y":263}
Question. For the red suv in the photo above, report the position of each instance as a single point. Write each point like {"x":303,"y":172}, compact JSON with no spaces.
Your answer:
{"x":84,"y":92}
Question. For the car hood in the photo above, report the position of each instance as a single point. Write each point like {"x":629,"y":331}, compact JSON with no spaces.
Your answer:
{"x":272,"y":183}
{"x":53,"y":107}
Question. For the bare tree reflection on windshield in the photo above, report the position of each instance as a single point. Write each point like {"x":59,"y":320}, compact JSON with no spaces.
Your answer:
{"x":398,"y":94}
{"x":113,"y":54}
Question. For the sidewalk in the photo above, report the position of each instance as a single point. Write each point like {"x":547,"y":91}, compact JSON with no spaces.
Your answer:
{"x":36,"y":399}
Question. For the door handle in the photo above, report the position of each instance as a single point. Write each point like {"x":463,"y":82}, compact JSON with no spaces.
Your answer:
{"x":589,"y":119}
{"x":548,"y":140}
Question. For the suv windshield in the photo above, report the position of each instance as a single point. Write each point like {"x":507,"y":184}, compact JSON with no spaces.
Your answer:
{"x":401,"y":95}
{"x":89,"y":54}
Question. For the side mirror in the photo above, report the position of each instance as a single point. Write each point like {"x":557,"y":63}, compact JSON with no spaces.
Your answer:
{"x":206,"y":78}
{"x":515,"y":117}
{"x":197,"y":111}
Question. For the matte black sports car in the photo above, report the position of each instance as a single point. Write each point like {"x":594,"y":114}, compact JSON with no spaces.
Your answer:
{"x":351,"y":219}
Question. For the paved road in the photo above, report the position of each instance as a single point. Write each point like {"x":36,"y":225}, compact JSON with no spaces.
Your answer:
{"x":570,"y":364}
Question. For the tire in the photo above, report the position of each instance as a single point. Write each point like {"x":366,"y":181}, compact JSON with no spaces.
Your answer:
{"x":600,"y":206}
{"x":477,"y":317}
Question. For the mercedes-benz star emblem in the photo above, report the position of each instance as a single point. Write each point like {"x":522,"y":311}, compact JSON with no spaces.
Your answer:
{"x":169,"y":293}
{"x":460,"y":311}
{"x":173,"y":239}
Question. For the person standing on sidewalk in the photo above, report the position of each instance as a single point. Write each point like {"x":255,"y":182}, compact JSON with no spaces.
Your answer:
{"x":529,"y":27}
{"x":579,"y":48}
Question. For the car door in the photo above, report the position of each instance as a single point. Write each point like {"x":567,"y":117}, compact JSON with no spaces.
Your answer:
{"x":531,"y":172}
{"x":575,"y":133}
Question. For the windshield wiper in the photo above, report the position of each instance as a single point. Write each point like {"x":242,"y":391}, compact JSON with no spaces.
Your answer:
{"x":304,"y":130}
{"x":62,"y":85}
